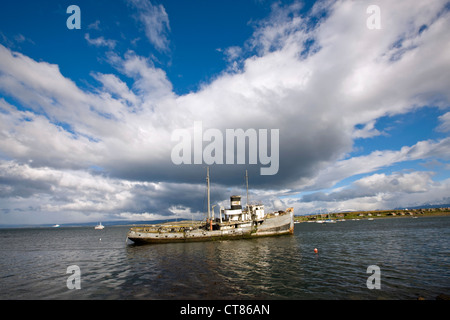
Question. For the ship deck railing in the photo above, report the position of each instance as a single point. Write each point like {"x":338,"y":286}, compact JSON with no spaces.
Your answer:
{"x":186,"y":226}
{"x":168,"y":227}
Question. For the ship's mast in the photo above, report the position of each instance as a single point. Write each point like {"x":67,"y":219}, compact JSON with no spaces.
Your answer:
{"x":246,"y":181}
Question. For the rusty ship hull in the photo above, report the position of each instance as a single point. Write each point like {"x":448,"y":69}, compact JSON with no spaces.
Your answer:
{"x":235,"y":222}
{"x":280,"y":223}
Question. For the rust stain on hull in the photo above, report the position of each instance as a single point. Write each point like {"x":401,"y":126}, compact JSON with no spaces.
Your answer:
{"x":281,"y":224}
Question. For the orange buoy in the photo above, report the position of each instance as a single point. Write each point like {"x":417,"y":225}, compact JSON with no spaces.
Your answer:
{"x":315,"y":250}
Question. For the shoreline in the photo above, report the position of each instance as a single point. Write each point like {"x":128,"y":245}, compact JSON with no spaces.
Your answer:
{"x":382,"y":214}
{"x":415,"y":213}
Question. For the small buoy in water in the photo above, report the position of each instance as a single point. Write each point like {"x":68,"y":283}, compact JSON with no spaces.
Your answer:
{"x":315,"y":250}
{"x":100,"y":239}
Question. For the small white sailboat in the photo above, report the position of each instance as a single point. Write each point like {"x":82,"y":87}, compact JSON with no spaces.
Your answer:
{"x":99,"y":226}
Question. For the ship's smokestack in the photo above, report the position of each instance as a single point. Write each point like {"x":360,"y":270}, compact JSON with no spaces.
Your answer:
{"x":235,"y":202}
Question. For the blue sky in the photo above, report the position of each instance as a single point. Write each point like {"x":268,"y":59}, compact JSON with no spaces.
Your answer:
{"x":197,"y":30}
{"x":87,"y":115}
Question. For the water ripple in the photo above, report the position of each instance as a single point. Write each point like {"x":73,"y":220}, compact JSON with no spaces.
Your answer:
{"x":413,"y":255}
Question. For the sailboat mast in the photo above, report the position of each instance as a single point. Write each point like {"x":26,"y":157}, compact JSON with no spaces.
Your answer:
{"x":207,"y":183}
{"x":246,"y":181}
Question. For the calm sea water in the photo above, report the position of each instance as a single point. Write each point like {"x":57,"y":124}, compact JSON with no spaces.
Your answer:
{"x":412,"y":254}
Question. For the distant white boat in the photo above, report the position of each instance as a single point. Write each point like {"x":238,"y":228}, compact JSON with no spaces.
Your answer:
{"x":56,"y":226}
{"x":99,"y":226}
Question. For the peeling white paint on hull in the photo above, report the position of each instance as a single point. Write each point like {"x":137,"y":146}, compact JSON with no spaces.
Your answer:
{"x":232,"y":223}
{"x":279,"y":225}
